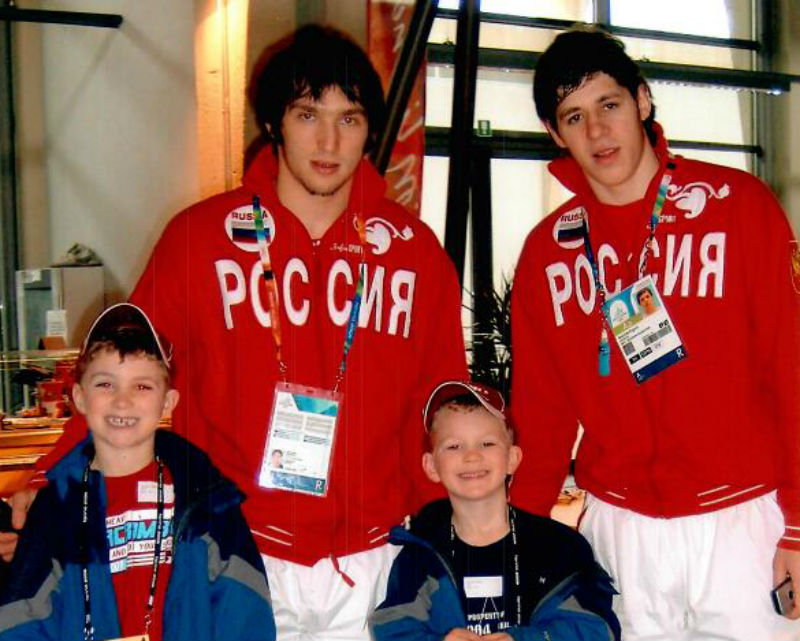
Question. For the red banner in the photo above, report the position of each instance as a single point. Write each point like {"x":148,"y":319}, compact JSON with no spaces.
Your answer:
{"x":388,"y":27}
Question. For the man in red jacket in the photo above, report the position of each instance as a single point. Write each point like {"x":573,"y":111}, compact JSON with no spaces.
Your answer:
{"x":691,"y":450}
{"x":311,"y":315}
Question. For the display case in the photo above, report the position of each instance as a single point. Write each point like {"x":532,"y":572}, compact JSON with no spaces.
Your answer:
{"x":33,"y":409}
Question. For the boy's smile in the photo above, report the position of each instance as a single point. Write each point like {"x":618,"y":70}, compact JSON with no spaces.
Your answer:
{"x":123,"y":401}
{"x":471,"y":454}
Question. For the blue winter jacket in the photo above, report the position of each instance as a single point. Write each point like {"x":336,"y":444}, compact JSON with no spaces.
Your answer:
{"x":217,"y":590}
{"x":423,"y":603}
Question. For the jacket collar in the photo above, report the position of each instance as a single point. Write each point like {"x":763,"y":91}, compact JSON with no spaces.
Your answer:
{"x":193,"y":474}
{"x":367,"y":189}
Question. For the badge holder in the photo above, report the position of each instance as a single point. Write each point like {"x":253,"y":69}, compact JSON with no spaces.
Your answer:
{"x":643,"y":329}
{"x":300,"y":439}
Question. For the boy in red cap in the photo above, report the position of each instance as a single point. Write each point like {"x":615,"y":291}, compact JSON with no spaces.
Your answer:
{"x":480,"y":566}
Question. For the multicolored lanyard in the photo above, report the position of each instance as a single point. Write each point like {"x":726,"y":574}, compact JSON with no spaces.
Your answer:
{"x":272,"y":291}
{"x":88,"y":628}
{"x":512,"y":526}
{"x":604,"y":348}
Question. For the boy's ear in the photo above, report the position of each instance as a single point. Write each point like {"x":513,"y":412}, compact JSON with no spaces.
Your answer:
{"x":429,"y":466}
{"x":170,"y":401}
{"x":554,"y":134}
{"x":514,"y":459}
{"x":78,"y":399}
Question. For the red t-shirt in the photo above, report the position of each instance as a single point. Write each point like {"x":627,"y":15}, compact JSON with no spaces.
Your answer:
{"x":130,"y":529}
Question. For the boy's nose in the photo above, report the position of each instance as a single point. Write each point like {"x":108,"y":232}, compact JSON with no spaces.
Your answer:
{"x":122,"y":399}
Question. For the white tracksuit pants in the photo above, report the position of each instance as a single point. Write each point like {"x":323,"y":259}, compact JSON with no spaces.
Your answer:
{"x":693,"y":578}
{"x":317,"y":603}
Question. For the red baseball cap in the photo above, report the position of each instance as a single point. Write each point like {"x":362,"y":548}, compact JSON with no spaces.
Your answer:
{"x":488,"y":397}
{"x":121,"y":318}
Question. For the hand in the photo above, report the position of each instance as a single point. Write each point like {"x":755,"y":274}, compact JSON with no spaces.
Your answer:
{"x":461,"y":634}
{"x":20,"y":503}
{"x":497,"y":636}
{"x":787,"y":562}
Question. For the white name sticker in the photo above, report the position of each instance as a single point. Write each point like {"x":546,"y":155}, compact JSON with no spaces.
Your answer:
{"x":644,"y":330}
{"x":302,"y":430}
{"x":147,"y":492}
{"x":483,"y":587}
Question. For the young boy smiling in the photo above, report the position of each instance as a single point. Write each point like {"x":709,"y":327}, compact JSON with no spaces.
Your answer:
{"x":480,"y":566}
{"x":150,"y":542}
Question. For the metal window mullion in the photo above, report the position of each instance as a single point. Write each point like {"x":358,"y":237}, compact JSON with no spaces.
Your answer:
{"x":9,"y":223}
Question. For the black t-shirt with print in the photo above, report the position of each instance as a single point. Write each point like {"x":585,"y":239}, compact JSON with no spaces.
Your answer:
{"x":487,"y":586}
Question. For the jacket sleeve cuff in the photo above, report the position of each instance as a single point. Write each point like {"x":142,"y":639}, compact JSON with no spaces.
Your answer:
{"x":38,"y":480}
{"x":791,"y":538}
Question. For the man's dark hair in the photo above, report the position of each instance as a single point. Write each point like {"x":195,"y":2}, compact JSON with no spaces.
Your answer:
{"x":306,"y":63}
{"x":576,"y":56}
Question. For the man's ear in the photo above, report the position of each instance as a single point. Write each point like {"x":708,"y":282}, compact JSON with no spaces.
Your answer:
{"x":78,"y":398}
{"x":554,"y":135}
{"x":429,"y":466}
{"x":644,"y":101}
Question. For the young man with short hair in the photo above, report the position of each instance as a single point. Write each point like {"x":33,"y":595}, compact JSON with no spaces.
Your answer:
{"x":691,"y":413}
{"x":311,"y":314}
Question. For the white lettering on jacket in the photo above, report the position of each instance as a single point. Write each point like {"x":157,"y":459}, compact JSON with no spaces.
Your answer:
{"x":234,"y":289}
{"x":687,"y":263}
{"x":297,"y":315}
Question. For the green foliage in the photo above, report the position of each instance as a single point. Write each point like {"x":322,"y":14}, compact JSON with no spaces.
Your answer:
{"x":490,"y":350}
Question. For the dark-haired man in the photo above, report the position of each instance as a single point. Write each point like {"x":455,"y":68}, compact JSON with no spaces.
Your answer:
{"x":691,"y":414}
{"x":312,"y":315}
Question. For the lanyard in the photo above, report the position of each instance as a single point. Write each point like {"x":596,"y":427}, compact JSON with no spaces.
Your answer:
{"x":512,"y":526}
{"x":272,"y":291}
{"x":604,"y":348}
{"x":88,"y":628}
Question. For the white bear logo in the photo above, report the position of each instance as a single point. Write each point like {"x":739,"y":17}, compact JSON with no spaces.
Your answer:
{"x":692,"y":198}
{"x":380,"y":233}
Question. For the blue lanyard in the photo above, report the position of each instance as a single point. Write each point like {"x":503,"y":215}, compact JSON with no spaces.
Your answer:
{"x":604,"y":347}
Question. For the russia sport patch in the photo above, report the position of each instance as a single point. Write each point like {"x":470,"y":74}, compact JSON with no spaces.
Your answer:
{"x":240,"y":225}
{"x":795,"y":265}
{"x":570,"y":228}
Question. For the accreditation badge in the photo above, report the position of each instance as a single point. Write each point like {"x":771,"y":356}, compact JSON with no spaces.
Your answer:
{"x":643,"y":329}
{"x":300,"y":438}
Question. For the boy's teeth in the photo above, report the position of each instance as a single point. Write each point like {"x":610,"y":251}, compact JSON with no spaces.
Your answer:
{"x":121,"y":421}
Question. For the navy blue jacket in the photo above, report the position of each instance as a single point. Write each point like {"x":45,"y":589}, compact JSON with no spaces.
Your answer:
{"x":423,"y":602}
{"x":217,"y":589}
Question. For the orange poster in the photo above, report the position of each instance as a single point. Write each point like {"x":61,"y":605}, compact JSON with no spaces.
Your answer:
{"x":388,"y":27}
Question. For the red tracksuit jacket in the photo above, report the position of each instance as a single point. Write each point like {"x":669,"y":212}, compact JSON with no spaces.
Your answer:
{"x":716,"y":429}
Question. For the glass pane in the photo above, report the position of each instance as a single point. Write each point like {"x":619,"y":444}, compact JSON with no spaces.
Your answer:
{"x":715,"y":18}
{"x":523,"y":192}
{"x":737,"y":160}
{"x":496,"y":36}
{"x":561,"y":9}
{"x":688,"y":54}
{"x":505,"y":98}
{"x":703,"y":113}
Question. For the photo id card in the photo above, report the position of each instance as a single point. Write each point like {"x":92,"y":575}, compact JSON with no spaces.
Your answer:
{"x":643,"y":329}
{"x":300,"y":439}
